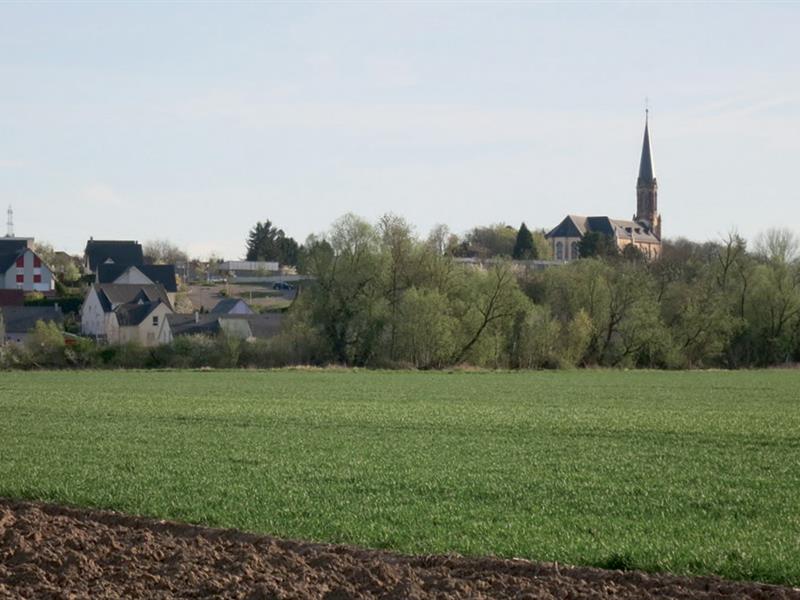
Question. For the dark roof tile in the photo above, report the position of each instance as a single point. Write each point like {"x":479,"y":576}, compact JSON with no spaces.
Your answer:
{"x":133,"y":314}
{"x":226,"y":305}
{"x":159,"y":274}
{"x":119,"y":252}
{"x":114,"y":294}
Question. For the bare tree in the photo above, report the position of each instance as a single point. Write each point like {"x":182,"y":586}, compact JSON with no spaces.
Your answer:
{"x":779,"y":245}
{"x":163,"y":252}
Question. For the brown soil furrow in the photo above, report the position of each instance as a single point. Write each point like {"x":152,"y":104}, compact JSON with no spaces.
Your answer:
{"x":49,"y":551}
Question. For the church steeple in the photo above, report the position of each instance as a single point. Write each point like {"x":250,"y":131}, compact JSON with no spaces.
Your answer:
{"x":647,"y":187}
{"x":646,"y":162}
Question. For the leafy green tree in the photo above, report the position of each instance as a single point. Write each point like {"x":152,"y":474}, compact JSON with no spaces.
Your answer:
{"x":426,"y":330}
{"x":597,"y":245}
{"x":575,"y":339}
{"x":493,"y":241}
{"x":698,"y":319}
{"x":524,"y":248}
{"x":347,"y":301}
{"x":63,"y":266}
{"x":632,"y":252}
{"x":45,"y":343}
{"x":536,"y":341}
{"x":544,"y":250}
{"x":486,"y":299}
{"x":773,"y":311}
{"x":397,"y":245}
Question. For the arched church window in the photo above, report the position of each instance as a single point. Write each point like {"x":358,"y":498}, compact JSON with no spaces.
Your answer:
{"x":559,"y":251}
{"x":573,"y":250}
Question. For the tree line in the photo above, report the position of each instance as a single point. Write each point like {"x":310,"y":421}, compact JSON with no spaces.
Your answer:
{"x":384,"y":297}
{"x":379,"y":295}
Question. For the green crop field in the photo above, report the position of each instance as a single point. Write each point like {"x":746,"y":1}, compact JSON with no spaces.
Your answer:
{"x":685,"y":472}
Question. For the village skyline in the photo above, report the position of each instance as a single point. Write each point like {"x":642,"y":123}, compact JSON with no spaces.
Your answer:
{"x":191,"y":123}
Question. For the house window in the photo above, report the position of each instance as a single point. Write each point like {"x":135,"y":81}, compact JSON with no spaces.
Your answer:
{"x":559,"y":251}
{"x":37,"y":279}
{"x":37,"y":262}
{"x":573,"y":249}
{"x":20,"y":278}
{"x":155,"y":321}
{"x":21,"y":261}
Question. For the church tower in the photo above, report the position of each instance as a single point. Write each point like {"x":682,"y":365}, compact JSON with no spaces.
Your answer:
{"x":647,"y":188}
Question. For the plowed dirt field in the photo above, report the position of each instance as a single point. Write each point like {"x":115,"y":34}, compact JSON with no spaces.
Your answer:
{"x":50,"y":551}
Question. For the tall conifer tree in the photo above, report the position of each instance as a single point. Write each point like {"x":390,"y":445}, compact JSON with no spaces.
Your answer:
{"x":524,"y":248}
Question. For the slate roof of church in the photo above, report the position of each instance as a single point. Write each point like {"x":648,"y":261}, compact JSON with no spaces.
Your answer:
{"x":578,"y":226}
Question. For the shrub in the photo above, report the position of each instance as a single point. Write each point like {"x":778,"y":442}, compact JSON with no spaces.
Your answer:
{"x":45,"y":345}
{"x":126,"y":356}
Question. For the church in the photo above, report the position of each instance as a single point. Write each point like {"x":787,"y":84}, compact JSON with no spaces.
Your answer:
{"x":644,"y":231}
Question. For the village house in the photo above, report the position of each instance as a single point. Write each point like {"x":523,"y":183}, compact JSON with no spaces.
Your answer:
{"x":22,"y":269}
{"x":232,"y":306}
{"x":163,"y":275}
{"x":141,"y":322}
{"x":643,"y":231}
{"x":117,"y":252}
{"x":245,"y":327}
{"x":120,"y":313}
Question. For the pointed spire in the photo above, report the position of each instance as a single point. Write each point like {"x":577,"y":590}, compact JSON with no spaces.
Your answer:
{"x":646,"y":171}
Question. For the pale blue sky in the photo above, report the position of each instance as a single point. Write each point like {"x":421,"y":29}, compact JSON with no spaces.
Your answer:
{"x":192,"y":121}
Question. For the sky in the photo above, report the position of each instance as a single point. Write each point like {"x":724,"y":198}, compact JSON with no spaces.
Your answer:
{"x":192,"y":121}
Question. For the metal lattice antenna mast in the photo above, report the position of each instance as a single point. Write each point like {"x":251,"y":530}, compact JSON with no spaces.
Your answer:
{"x":10,"y":222}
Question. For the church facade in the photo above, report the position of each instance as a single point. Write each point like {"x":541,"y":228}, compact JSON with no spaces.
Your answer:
{"x":643,"y":231}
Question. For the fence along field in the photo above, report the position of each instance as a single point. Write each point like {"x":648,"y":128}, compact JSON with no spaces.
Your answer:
{"x":690,"y":472}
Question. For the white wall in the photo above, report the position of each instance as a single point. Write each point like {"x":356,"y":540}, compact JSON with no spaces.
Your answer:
{"x":146,"y":333}
{"x":93,"y":321}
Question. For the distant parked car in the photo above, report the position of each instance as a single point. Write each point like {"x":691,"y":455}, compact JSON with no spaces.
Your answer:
{"x":282,"y":285}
